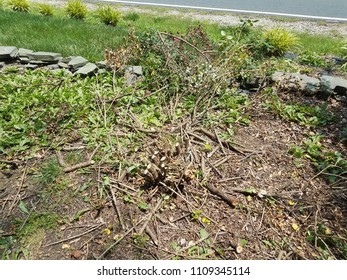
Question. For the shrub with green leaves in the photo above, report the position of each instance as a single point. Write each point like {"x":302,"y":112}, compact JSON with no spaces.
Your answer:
{"x":280,"y":40}
{"x":109,"y":15}
{"x":19,"y":5}
{"x":76,"y":9}
{"x":45,"y":9}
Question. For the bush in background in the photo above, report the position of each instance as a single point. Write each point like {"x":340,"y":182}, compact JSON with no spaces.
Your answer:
{"x":76,"y":9}
{"x":45,"y":9}
{"x":280,"y":40}
{"x":19,"y":5}
{"x":109,"y":15}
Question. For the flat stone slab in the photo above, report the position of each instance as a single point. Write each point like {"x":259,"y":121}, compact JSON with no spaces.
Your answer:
{"x":31,"y":66}
{"x":77,"y":62}
{"x":67,"y":59}
{"x":137,"y":70}
{"x":52,"y":66}
{"x":103,"y":65}
{"x":334,"y":84}
{"x":45,"y":56}
{"x":24,"y":60}
{"x":88,"y":69}
{"x":39,"y":62}
{"x":296,"y":81}
{"x":24,"y":52}
{"x":8,"y":52}
{"x":63,"y":65}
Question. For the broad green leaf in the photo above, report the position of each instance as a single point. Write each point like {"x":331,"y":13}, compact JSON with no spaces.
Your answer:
{"x":23,"y":207}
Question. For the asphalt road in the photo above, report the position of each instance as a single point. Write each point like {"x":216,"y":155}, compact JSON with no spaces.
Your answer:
{"x":319,"y":9}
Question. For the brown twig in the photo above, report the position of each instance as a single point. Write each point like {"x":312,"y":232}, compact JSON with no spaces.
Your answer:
{"x":73,"y":148}
{"x":181,"y":39}
{"x":116,"y":207}
{"x":60,"y":159}
{"x":150,"y":216}
{"x":152,"y":235}
{"x":118,"y":241}
{"x":74,"y":237}
{"x":78,"y":166}
{"x":220,"y":194}
{"x":223,"y":142}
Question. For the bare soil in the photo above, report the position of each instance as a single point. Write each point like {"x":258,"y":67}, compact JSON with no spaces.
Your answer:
{"x":270,"y":203}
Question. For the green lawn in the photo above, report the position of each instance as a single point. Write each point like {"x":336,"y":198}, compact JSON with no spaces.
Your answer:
{"x":89,"y":38}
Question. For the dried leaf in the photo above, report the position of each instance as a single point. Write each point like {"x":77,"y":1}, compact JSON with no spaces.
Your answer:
{"x":295,"y":227}
{"x":291,"y":203}
{"x":76,"y":254}
{"x":206,"y":220}
{"x":66,"y":246}
{"x":327,"y":231}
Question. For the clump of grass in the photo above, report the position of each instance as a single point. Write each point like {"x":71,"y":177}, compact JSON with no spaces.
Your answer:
{"x":19,"y":5}
{"x":45,"y":9}
{"x":132,"y":17}
{"x":49,"y":173}
{"x":76,"y":9}
{"x":109,"y":15}
{"x":280,"y":40}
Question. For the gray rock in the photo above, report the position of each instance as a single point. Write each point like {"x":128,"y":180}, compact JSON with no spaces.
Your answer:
{"x":24,"y":52}
{"x":102,"y":65}
{"x":341,"y":98}
{"x":278,"y":76}
{"x":63,"y":65}
{"x":296,"y":82}
{"x":334,"y":85}
{"x":130,"y":79}
{"x":52,"y":66}
{"x":45,"y":56}
{"x":290,"y":55}
{"x":88,"y":69}
{"x":2,"y":64}
{"x":77,"y":62}
{"x":31,"y":66}
{"x":38,"y":62}
{"x":66,"y":59}
{"x":308,"y":84}
{"x":137,"y":70}
{"x":8,"y":52}
{"x":24,"y":60}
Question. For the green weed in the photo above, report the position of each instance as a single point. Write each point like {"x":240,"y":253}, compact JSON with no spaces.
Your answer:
{"x":19,"y":5}
{"x":108,"y":15}
{"x":37,"y":221}
{"x":50,"y":173}
{"x":314,"y":116}
{"x":327,"y":242}
{"x":76,"y":9}
{"x":45,"y":9}
{"x":131,"y":17}
{"x":331,"y":164}
{"x":312,"y":59}
{"x":281,"y":40}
